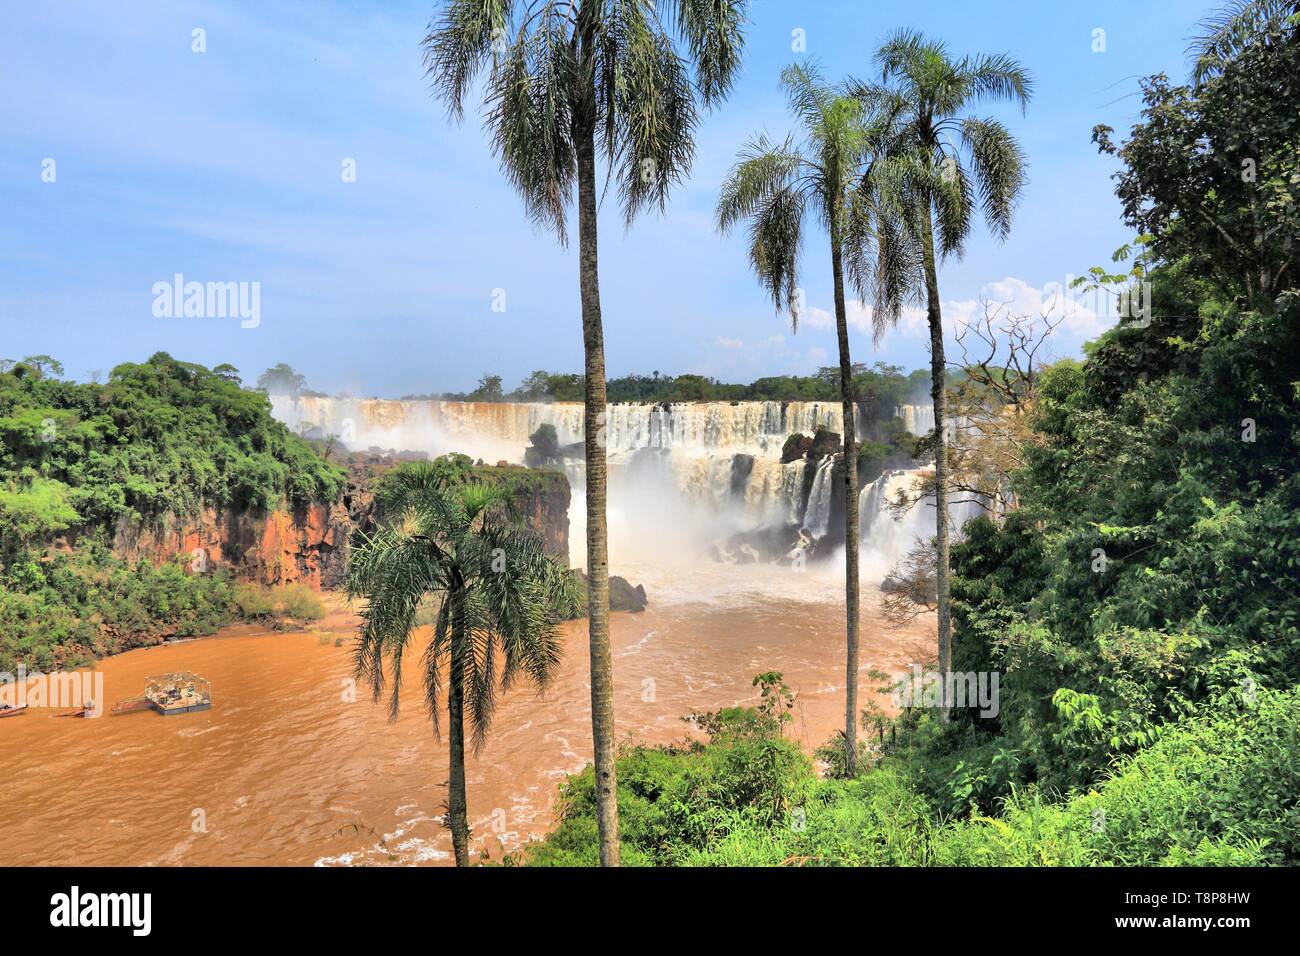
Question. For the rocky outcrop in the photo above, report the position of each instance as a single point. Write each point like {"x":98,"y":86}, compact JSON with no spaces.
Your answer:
{"x":304,"y":546}
{"x":543,"y":503}
{"x":623,"y":596}
{"x":795,"y":447}
{"x":309,"y":545}
{"x":823,"y":442}
{"x":770,"y":544}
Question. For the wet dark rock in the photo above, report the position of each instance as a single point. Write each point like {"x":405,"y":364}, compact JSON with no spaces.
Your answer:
{"x":623,"y":596}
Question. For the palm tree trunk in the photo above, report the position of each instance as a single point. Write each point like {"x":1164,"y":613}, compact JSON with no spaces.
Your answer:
{"x":456,"y":803}
{"x":939,"y":394}
{"x":850,"y":511}
{"x":602,"y":669}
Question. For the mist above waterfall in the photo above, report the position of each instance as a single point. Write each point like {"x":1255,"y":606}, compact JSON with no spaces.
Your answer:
{"x":683,"y":477}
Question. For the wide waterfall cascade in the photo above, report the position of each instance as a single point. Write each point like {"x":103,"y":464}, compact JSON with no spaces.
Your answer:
{"x":681,"y":474}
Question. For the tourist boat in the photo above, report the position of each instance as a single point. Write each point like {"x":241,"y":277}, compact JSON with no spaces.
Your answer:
{"x":10,"y":711}
{"x":170,"y":694}
{"x":181,"y":693}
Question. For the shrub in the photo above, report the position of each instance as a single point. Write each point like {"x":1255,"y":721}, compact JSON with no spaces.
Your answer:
{"x":300,"y":602}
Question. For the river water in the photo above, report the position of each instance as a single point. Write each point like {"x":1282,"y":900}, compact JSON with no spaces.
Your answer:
{"x":289,"y":767}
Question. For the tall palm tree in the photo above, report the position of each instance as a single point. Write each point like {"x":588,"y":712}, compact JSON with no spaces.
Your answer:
{"x":774,"y":186}
{"x":938,"y":161}
{"x":568,"y":80}
{"x":500,"y":600}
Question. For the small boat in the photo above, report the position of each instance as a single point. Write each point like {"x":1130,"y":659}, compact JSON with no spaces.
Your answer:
{"x":131,"y":705}
{"x":83,"y":712}
{"x":10,"y":711}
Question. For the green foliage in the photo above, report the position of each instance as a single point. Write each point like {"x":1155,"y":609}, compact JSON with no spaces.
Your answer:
{"x":446,"y":538}
{"x":1140,"y":605}
{"x":561,"y":84}
{"x":158,"y":441}
{"x":935,"y":163}
{"x":878,"y":390}
{"x":674,"y":802}
{"x":161,"y":438}
{"x":872,"y":458}
{"x":1211,"y":170}
{"x":279,"y":379}
{"x":1214,"y":790}
{"x":545,"y":441}
{"x":1149,"y":573}
{"x":257,"y":602}
{"x":73,"y":607}
{"x":1222,"y":790}
{"x":35,"y":511}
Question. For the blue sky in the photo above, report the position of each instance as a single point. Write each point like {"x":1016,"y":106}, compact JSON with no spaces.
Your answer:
{"x":226,"y":166}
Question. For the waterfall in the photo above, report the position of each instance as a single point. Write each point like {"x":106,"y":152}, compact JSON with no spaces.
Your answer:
{"x":700,"y":438}
{"x":818,"y":516}
{"x":756,"y":428}
{"x":918,"y":419}
{"x":711,"y":467}
{"x":889,"y":538}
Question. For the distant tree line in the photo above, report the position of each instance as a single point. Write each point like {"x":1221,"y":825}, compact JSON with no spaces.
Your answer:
{"x":882,"y":385}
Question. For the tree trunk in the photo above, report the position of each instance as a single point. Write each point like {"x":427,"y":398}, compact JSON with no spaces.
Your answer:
{"x":850,"y":510}
{"x":939,"y":394}
{"x":602,"y":671}
{"x":456,"y":804}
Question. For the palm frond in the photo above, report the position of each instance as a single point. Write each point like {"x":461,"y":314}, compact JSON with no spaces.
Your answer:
{"x":530,"y":117}
{"x":393,"y":573}
{"x":921,"y":182}
{"x":807,"y":94}
{"x":713,"y":31}
{"x":761,"y":170}
{"x":654,"y":117}
{"x":459,"y":43}
{"x":904,"y":53}
{"x":628,"y":72}
{"x":502,"y":596}
{"x":998,"y":77}
{"x":775,"y":240}
{"x":1224,"y":34}
{"x":999,"y":170}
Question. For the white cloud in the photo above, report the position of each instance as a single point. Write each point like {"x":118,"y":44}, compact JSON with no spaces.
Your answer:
{"x":727,"y":343}
{"x":859,"y":317}
{"x":1078,"y":315}
{"x":1081,"y":316}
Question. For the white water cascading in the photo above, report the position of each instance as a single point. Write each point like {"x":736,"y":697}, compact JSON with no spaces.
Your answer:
{"x":681,"y":474}
{"x":918,"y":419}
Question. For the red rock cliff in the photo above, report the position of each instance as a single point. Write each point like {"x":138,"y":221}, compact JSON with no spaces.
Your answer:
{"x":310,"y":545}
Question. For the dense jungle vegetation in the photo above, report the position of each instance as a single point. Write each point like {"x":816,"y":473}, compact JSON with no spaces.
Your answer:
{"x":1141,"y":604}
{"x":157,"y":441}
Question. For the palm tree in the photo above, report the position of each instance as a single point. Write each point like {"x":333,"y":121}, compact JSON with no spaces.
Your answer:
{"x":565,"y":77}
{"x":1230,"y":30}
{"x":500,"y":600}
{"x":774,"y":186}
{"x":938,"y":161}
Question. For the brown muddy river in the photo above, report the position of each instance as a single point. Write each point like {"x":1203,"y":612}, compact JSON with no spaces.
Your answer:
{"x":287,"y":769}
